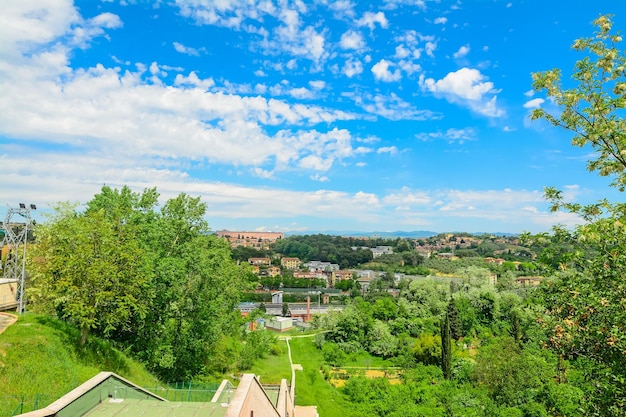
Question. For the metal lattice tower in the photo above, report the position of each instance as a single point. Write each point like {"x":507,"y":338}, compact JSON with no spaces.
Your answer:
{"x":15,"y":237}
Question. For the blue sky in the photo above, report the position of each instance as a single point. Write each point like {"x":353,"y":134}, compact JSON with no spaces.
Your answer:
{"x":296,"y":116}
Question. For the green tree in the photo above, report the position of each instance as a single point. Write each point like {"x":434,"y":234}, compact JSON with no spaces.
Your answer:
{"x":446,"y":347}
{"x":587,"y":319}
{"x":153,"y":281}
{"x":382,"y":342}
{"x":90,"y":271}
{"x":592,"y":109}
{"x":511,"y":375}
{"x":453,"y":317}
{"x":197,"y":288}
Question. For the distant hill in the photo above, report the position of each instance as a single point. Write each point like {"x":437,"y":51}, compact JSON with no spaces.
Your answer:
{"x":392,"y":235}
{"x":389,"y":235}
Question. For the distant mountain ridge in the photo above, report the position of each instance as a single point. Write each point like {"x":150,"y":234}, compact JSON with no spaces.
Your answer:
{"x":392,"y":235}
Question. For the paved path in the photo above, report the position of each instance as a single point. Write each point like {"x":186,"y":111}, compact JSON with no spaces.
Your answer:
{"x":6,"y":319}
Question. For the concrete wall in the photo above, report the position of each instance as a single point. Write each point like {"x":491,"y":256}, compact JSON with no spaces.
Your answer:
{"x":8,"y":291}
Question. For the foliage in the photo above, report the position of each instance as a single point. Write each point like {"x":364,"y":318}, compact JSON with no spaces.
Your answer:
{"x":510,"y":374}
{"x":446,"y":347}
{"x":586,"y":302}
{"x":43,"y":359}
{"x":324,"y":248}
{"x":91,"y":271}
{"x":153,"y":281}
{"x":592,"y":109}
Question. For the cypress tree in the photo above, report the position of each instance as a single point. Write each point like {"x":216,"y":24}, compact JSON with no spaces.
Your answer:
{"x":453,"y":317}
{"x":446,"y":348}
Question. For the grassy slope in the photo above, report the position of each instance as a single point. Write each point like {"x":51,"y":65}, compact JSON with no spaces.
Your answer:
{"x":41,"y":361}
{"x":311,"y":387}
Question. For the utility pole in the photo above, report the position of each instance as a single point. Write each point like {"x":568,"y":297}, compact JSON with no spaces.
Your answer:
{"x":16,"y":235}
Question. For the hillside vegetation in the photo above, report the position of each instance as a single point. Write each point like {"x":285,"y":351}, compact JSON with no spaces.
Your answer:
{"x":42,"y":359}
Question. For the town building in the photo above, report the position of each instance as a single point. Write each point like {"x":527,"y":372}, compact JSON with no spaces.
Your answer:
{"x":260,"y":261}
{"x":256,"y":240}
{"x":290,"y":263}
{"x":381,"y":250}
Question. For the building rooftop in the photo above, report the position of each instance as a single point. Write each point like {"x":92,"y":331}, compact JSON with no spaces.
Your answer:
{"x":130,"y":407}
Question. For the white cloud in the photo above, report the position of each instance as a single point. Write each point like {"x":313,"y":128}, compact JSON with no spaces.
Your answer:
{"x":430,"y":48}
{"x":320,"y":178}
{"x":109,"y":112}
{"x":440,"y":20}
{"x":352,"y":40}
{"x":179,"y":47}
{"x":402,"y":52}
{"x":387,"y":149}
{"x":451,"y":135}
{"x":370,"y":19}
{"x":390,"y":106}
{"x":393,"y":4}
{"x":317,"y":84}
{"x":301,"y":93}
{"x":382,"y":72}
{"x":467,"y":87}
{"x":408,"y":197}
{"x":535,"y":103}
{"x":193,"y":80}
{"x":352,"y":68}
{"x":463,"y":50}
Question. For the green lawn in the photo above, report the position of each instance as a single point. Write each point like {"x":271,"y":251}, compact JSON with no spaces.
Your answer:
{"x":273,"y":368}
{"x":311,"y":387}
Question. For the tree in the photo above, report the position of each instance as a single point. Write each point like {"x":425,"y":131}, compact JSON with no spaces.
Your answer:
{"x":197,"y":287}
{"x":382,"y":342}
{"x":511,"y":375}
{"x":446,"y":347}
{"x":592,"y":109}
{"x":586,"y":317}
{"x":452,"y":315}
{"x":153,"y":281}
{"x":90,"y":271}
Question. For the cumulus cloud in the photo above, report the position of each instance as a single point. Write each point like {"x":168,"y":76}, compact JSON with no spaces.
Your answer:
{"x":440,"y":20}
{"x":467,"y":87}
{"x":370,"y":20}
{"x":387,"y":149}
{"x":317,"y":84}
{"x":382,"y":72}
{"x":352,"y":40}
{"x":534,"y":103}
{"x":352,"y":67}
{"x":463,"y":50}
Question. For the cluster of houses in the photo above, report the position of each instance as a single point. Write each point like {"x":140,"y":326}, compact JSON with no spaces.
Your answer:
{"x":325,"y":271}
{"x":331,"y":273}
